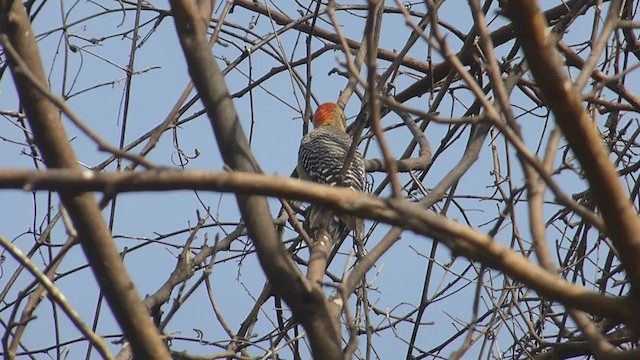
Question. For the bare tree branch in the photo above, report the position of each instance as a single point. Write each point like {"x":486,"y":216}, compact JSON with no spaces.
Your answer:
{"x":93,"y":234}
{"x":305,"y":299}
{"x":461,"y":239}
{"x":622,"y":220}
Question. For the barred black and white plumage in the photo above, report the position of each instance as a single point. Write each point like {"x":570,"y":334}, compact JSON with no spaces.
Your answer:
{"x":321,"y":157}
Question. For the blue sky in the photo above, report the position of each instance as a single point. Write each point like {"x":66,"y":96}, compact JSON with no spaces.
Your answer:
{"x":277,"y":129}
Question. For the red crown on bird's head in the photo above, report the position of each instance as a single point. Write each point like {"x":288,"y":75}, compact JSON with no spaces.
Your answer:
{"x":330,"y":114}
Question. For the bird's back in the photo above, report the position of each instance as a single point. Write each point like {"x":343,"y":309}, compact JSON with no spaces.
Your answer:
{"x":323,"y":152}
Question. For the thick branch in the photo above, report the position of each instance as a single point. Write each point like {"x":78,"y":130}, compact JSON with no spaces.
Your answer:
{"x":581,"y":133}
{"x":306,"y":301}
{"x":50,"y":137}
{"x":461,"y":239}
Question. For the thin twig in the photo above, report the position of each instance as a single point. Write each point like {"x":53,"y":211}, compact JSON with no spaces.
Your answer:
{"x":59,"y":298}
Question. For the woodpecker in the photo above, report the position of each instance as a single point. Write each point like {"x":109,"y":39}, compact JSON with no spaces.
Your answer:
{"x":321,"y":157}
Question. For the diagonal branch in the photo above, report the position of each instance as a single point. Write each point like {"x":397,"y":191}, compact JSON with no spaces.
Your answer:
{"x":307,"y":301}
{"x":50,"y":137}
{"x":58,"y":297}
{"x":461,"y":239}
{"x":498,"y":37}
{"x":621,"y":219}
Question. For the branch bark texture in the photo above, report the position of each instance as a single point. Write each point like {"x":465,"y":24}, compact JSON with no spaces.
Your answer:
{"x":307,"y":302}
{"x":461,"y":239}
{"x":621,"y":219}
{"x":53,"y":143}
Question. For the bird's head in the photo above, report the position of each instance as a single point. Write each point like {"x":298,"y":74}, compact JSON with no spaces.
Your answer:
{"x":330,"y":114}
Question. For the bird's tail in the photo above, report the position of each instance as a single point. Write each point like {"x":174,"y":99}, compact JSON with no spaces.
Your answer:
{"x":337,"y":226}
